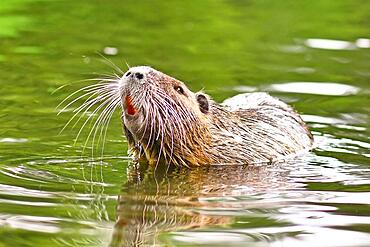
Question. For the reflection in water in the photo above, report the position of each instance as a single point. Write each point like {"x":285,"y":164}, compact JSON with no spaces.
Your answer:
{"x":363,"y":43}
{"x":320,"y":88}
{"x":234,"y":205}
{"x":110,"y":51}
{"x":154,"y":201}
{"x":13,"y":140}
{"x":330,"y":44}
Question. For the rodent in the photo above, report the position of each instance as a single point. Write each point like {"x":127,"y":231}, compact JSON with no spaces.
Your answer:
{"x":166,"y":122}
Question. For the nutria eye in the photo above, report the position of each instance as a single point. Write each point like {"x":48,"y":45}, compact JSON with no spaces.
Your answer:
{"x":179,"y":89}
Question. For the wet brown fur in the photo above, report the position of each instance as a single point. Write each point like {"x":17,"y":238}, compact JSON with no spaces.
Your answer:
{"x":174,"y":127}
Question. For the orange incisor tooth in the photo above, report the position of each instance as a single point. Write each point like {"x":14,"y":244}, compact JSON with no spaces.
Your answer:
{"x":130,"y":107}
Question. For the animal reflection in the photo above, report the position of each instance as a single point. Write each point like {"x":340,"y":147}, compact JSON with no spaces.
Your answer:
{"x":154,"y":201}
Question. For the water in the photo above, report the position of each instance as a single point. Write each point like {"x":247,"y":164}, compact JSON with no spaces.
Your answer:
{"x":314,"y":55}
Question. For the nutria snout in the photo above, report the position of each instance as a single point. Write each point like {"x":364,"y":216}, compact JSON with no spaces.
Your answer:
{"x":166,"y":122}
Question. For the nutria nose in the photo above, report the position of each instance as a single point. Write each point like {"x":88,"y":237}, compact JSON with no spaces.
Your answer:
{"x":139,"y":75}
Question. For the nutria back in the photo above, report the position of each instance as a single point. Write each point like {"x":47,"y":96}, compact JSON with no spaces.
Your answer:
{"x":166,"y":122}
{"x":256,"y":128}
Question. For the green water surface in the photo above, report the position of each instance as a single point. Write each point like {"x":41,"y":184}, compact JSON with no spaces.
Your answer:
{"x":59,"y":191}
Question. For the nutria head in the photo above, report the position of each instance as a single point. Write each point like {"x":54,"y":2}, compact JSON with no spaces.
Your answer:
{"x":163,"y":120}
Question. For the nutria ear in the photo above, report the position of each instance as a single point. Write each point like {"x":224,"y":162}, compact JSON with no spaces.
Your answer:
{"x":203,"y":102}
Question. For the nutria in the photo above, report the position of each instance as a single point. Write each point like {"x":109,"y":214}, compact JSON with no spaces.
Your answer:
{"x":166,"y":122}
